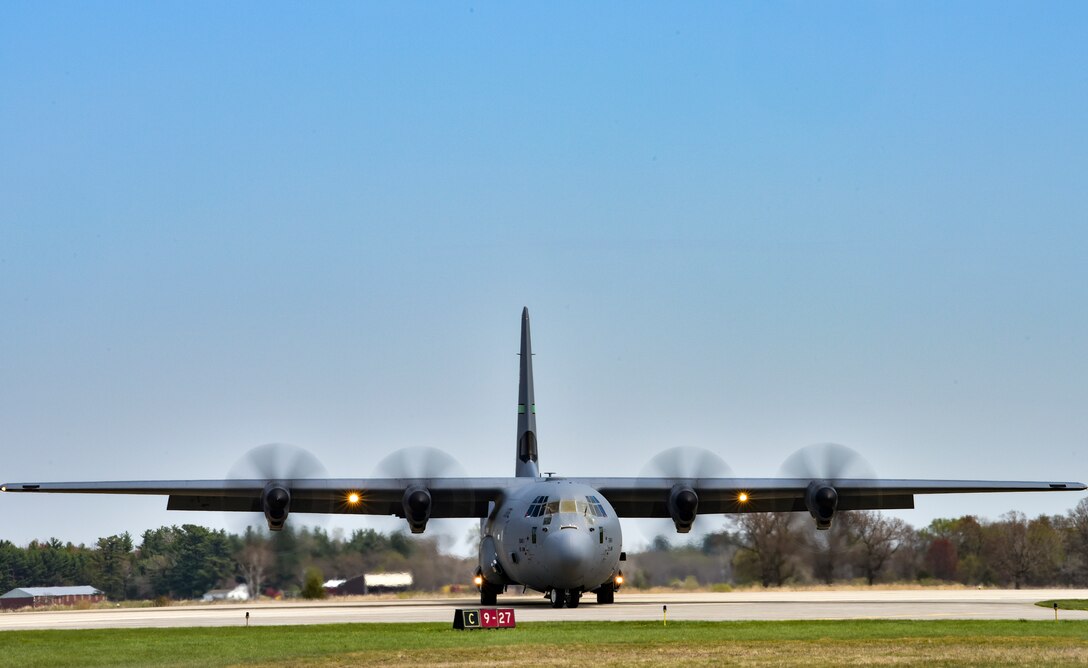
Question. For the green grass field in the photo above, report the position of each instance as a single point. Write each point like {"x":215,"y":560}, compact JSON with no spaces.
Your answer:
{"x":1065,"y":603}
{"x":819,"y":643}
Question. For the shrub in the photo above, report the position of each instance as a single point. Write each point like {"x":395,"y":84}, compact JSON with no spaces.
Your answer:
{"x":313,"y":584}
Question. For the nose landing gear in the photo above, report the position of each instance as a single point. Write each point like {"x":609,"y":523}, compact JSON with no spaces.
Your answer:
{"x":565,"y":598}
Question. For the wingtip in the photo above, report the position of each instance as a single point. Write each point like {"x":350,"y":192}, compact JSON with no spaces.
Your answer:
{"x":525,"y":312}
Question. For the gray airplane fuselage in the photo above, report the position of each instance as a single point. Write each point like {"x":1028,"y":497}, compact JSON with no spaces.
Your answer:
{"x":552,"y":534}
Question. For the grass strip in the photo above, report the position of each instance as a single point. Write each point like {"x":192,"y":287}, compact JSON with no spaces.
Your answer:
{"x":1065,"y":603}
{"x":750,"y":643}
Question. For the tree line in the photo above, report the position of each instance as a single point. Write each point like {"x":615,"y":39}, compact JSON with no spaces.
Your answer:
{"x":776,"y":549}
{"x":770,"y":549}
{"x":184,"y":562}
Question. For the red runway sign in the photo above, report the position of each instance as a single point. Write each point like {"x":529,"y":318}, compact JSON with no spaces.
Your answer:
{"x":483,"y":618}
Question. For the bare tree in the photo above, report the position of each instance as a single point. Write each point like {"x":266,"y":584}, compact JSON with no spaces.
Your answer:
{"x":877,"y":538}
{"x":1045,"y":544}
{"x":1009,"y":548}
{"x":769,"y":539}
{"x":1024,"y":551}
{"x":1077,"y":542}
{"x":829,"y":553}
{"x":254,"y":559}
{"x":971,"y":567}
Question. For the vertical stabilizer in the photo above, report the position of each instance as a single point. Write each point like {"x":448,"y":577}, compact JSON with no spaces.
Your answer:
{"x":527,"y":454}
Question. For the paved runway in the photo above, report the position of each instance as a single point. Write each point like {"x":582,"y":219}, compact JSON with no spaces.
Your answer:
{"x":766,"y":605}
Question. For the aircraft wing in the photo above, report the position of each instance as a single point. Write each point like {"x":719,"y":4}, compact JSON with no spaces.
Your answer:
{"x":470,"y":497}
{"x":451,"y":497}
{"x":649,"y":497}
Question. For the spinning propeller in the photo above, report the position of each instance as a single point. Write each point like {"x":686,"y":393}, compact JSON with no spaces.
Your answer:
{"x":419,"y":462}
{"x":424,"y":465}
{"x":278,"y":464}
{"x":825,"y":465}
{"x":688,"y":464}
{"x":827,"y":461}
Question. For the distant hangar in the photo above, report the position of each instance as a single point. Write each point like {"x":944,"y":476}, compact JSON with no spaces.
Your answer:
{"x":38,"y":597}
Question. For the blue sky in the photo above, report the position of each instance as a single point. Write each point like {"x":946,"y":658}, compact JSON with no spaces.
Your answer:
{"x":748,"y":227}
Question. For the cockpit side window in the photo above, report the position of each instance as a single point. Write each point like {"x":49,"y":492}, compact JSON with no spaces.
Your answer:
{"x":596,"y":508}
{"x":536,"y":508}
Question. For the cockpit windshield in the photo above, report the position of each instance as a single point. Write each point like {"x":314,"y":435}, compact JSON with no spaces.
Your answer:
{"x":543,"y":506}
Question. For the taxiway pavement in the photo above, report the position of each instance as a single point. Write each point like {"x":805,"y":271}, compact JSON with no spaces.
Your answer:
{"x":758,"y":605}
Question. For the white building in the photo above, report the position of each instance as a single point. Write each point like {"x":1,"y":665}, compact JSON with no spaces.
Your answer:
{"x":239,"y":593}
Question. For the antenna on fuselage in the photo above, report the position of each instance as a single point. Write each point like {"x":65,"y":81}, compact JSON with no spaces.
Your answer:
{"x":526,"y":466}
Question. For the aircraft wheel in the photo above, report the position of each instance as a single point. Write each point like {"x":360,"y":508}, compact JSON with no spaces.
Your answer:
{"x":489,"y":593}
{"x":573,"y":597}
{"x":606,"y":594}
{"x":559,"y":597}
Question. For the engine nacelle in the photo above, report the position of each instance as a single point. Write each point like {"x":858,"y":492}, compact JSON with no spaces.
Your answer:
{"x":417,"y":508}
{"x":276,"y":504}
{"x":821,"y":499}
{"x":683,"y":507}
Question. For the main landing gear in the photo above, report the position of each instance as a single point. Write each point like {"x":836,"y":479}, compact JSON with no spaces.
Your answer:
{"x":606,"y":593}
{"x":489,"y":593}
{"x":570,"y":598}
{"x":565,"y":598}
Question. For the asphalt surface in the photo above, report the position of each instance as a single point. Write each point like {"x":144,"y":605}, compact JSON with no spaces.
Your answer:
{"x":770,"y":605}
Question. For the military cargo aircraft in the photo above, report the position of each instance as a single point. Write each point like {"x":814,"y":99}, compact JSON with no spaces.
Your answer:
{"x":557,"y":535}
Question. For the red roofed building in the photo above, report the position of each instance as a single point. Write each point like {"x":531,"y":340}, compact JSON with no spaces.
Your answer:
{"x":36,"y":597}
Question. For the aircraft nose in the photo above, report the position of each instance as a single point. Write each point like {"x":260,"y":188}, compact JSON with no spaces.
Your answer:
{"x":569,"y":552}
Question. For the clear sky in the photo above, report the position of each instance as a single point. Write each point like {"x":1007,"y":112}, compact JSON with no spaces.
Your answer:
{"x":745,"y":226}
